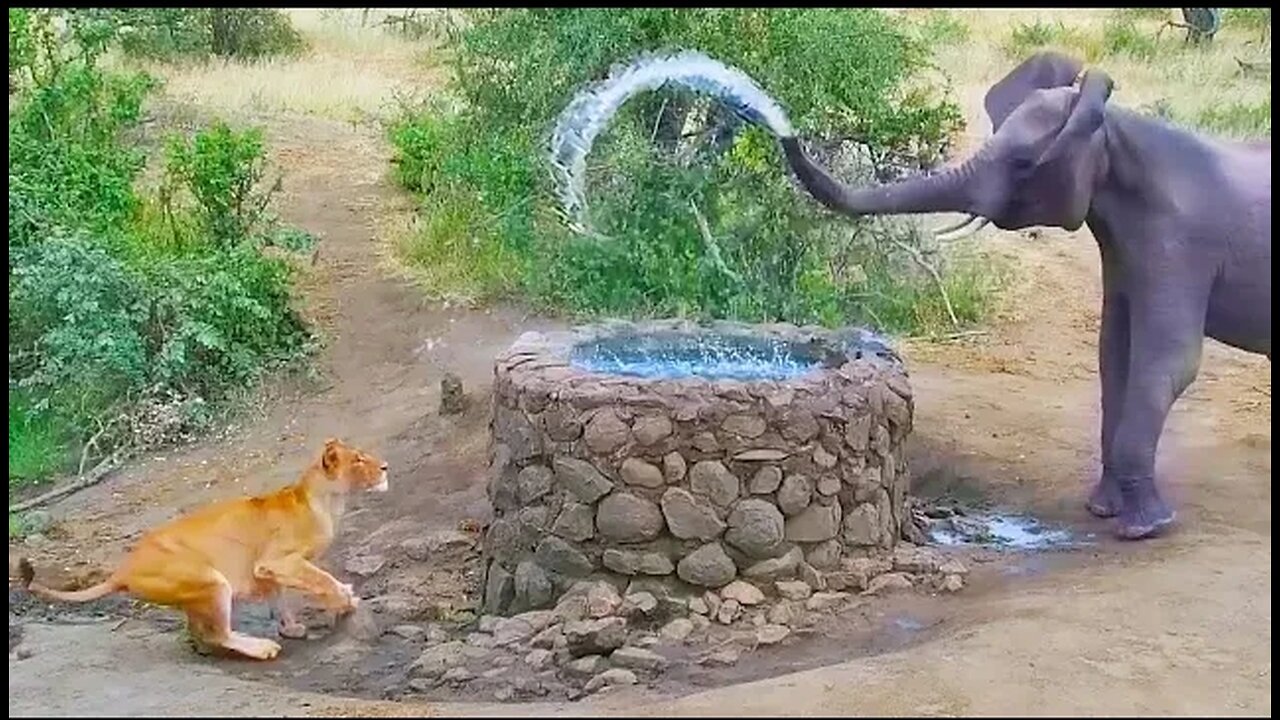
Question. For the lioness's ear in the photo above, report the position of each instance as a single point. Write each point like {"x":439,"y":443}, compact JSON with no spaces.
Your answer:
{"x":329,"y":460}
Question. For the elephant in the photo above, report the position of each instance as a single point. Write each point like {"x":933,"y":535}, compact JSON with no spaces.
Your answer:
{"x":1183,"y":223}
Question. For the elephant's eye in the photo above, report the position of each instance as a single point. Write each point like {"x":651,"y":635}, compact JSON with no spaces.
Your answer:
{"x":1022,"y":163}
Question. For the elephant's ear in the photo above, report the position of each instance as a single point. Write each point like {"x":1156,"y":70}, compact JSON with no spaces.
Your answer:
{"x":1039,"y":72}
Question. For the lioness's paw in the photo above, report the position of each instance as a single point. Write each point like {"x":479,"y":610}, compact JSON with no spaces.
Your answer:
{"x":268,"y":650}
{"x":347,"y":600}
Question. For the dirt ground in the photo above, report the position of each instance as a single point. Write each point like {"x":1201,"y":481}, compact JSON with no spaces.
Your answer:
{"x":1179,"y":625}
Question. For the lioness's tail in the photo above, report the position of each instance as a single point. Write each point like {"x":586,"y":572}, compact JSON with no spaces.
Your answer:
{"x":28,"y":575}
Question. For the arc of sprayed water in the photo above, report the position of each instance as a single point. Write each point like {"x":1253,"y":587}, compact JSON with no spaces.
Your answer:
{"x":595,"y":105}
{"x":592,"y":108}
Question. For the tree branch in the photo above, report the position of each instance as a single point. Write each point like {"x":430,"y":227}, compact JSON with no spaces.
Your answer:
{"x":95,"y":476}
{"x":937,"y":279}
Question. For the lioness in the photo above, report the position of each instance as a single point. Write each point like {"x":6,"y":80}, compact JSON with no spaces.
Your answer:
{"x":250,"y":547}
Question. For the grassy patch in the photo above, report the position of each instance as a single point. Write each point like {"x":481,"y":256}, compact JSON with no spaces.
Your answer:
{"x":37,"y":444}
{"x":1248,"y":18}
{"x":1241,"y":120}
{"x":1029,"y":37}
{"x":1123,"y":37}
{"x":352,"y":71}
{"x":942,"y":27}
{"x":1123,"y":34}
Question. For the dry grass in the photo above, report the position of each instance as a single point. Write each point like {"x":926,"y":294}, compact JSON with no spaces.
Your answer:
{"x":1199,"y":87}
{"x":351,"y":73}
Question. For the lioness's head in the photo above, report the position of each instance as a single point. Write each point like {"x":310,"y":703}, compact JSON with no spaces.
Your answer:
{"x":352,"y":468}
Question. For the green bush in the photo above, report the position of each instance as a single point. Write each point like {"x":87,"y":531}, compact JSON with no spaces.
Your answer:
{"x":37,"y":445}
{"x":697,"y":226}
{"x":128,"y":311}
{"x":198,"y":33}
{"x":223,"y":171}
{"x":1120,"y":36}
{"x":1238,"y":119}
{"x":942,"y":27}
{"x":1250,"y":18}
{"x":1027,"y":38}
{"x":1143,"y":13}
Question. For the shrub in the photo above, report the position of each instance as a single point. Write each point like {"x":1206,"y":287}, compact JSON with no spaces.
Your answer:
{"x":37,"y":445}
{"x":127,"y":311}
{"x":1250,"y":18}
{"x":222,"y":170}
{"x":67,"y":166}
{"x":701,"y":215}
{"x":1026,"y":38}
{"x":941,"y":27}
{"x":1238,"y":119}
{"x":1143,"y":13}
{"x":1121,"y":36}
{"x":198,"y":33}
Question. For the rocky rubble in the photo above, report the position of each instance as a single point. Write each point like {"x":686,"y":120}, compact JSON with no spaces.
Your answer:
{"x":597,"y":637}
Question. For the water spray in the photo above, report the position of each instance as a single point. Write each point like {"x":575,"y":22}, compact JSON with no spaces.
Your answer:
{"x":595,"y":105}
{"x":592,"y":109}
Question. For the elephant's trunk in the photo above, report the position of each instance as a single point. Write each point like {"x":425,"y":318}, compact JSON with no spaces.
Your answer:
{"x":943,"y":192}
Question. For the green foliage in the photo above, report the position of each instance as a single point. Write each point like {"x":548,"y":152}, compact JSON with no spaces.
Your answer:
{"x":942,"y":27}
{"x":1121,"y":36}
{"x":217,"y":319}
{"x":695,"y":227}
{"x":37,"y":445}
{"x":127,"y":310}
{"x":1238,"y":119}
{"x":1027,"y":38}
{"x":1142,"y":13}
{"x":222,"y":169}
{"x":199,"y":33}
{"x":66,"y":165}
{"x":1243,"y":120}
{"x":76,"y":323}
{"x":1250,"y":18}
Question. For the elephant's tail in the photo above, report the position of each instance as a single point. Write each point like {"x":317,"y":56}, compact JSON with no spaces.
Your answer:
{"x":592,"y":108}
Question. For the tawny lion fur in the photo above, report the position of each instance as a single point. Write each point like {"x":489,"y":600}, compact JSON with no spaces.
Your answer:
{"x":250,"y":547}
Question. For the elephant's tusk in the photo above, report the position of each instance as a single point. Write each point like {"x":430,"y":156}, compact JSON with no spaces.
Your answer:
{"x":952,"y":228}
{"x":975,"y":224}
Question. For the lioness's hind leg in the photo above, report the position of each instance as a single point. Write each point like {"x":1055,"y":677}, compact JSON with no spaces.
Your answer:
{"x":210,"y":619}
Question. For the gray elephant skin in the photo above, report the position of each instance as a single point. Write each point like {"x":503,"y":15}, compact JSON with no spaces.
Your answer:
{"x":1183,"y":223}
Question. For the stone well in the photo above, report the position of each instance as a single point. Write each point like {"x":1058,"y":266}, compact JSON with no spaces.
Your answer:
{"x":627,"y":450}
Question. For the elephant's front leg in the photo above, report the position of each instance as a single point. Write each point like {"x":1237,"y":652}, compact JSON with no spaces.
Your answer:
{"x":1166,"y":335}
{"x":1113,"y":370}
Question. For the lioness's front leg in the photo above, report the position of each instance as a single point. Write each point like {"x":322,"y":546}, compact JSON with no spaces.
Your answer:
{"x":295,"y":571}
{"x":286,"y":616}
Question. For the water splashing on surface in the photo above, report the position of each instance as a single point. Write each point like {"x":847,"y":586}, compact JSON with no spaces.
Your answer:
{"x":1020,"y":532}
{"x":592,"y":108}
{"x":682,"y":356}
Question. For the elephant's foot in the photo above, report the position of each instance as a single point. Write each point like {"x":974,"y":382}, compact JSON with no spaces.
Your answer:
{"x":1106,"y":500}
{"x":1143,"y":512}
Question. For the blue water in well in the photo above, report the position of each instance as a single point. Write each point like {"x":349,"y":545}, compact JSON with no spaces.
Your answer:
{"x":714,"y":357}
{"x":1019,"y":532}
